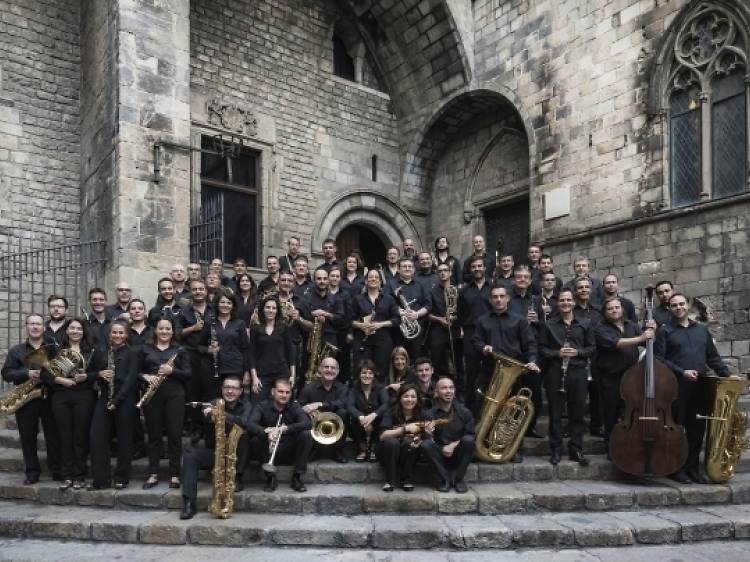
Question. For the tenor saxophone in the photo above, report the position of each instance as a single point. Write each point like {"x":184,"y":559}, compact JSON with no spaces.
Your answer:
{"x":225,"y":463}
{"x":504,"y":418}
{"x":153,"y":387}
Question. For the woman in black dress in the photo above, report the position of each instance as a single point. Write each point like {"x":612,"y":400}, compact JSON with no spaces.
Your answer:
{"x":272,"y":355}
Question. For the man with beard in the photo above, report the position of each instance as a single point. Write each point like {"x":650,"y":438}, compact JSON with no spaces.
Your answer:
{"x":479,"y":246}
{"x":473,"y":302}
{"x":57,"y":306}
{"x":293,"y":245}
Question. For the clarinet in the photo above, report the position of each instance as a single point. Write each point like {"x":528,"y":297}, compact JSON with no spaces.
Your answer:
{"x":565,"y":361}
{"x":111,"y":384}
{"x":214,"y":342}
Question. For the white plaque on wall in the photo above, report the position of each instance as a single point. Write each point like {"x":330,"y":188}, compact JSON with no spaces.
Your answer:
{"x":557,"y":203}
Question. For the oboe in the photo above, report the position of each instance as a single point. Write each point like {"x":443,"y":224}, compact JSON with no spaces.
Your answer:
{"x":565,"y":361}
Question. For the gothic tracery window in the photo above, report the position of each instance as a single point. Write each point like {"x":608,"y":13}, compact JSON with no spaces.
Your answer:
{"x":708,"y":97}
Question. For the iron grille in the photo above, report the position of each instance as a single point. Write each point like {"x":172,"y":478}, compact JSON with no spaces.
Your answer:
{"x":686,"y":151}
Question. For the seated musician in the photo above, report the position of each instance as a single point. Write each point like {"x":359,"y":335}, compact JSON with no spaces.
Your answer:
{"x":363,"y":401}
{"x":278,"y":418}
{"x":452,"y":444}
{"x":326,"y":395}
{"x":422,"y":379}
{"x":237,"y":411}
{"x":400,"y":438}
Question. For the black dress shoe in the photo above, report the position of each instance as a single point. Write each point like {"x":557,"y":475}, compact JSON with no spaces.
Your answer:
{"x":696,"y":476}
{"x":30,"y":480}
{"x":188,"y":509}
{"x":533,"y":433}
{"x":139,"y":453}
{"x":597,"y":432}
{"x":681,"y":477}
{"x":297,"y":484}
{"x":444,"y":486}
{"x":578,"y":457}
{"x":517,"y":458}
{"x":340,"y":458}
{"x":271,"y":483}
{"x":554,"y":457}
{"x":461,"y":487}
{"x":238,"y":485}
{"x":57,"y":477}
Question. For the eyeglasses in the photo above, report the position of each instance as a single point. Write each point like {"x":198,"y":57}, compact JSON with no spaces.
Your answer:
{"x":123,"y":290}
{"x":234,"y":388}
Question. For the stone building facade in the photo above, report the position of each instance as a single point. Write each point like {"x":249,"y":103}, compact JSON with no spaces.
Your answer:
{"x":615,"y":129}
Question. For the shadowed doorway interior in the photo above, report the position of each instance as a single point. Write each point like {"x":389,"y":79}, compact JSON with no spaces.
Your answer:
{"x":359,"y":237}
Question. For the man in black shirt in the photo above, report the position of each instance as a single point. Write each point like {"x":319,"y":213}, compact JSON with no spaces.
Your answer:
{"x":292,"y":253}
{"x":617,"y":341}
{"x":504,"y":272}
{"x":16,"y":370}
{"x":326,"y":395}
{"x":236,"y":412}
{"x":405,"y":290}
{"x":443,"y":345}
{"x":662,"y":313}
{"x":501,"y":331}
{"x":585,"y":310}
{"x":98,"y":320}
{"x":392,"y":256}
{"x":611,"y":287}
{"x":53,"y":328}
{"x":688,"y":349}
{"x":278,"y":418}
{"x":452,"y":444}
{"x":270,"y":281}
{"x":422,"y":379}
{"x":479,"y":252}
{"x":537,"y":277}
{"x":426,"y":275}
{"x":123,"y":294}
{"x":582,"y":268}
{"x":329,"y":254}
{"x":166,"y":306}
{"x":302,"y":283}
{"x":473,"y":302}
{"x":319,"y":303}
{"x":178,"y":275}
{"x":548,"y":294}
{"x":566,"y":343}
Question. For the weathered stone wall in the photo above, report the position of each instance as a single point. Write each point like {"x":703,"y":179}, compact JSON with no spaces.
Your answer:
{"x":39,"y":121}
{"x":277,"y":59}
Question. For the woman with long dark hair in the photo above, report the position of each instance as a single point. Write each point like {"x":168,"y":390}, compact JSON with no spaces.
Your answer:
{"x":247,"y":292}
{"x":115,"y":407}
{"x":272,"y":355}
{"x":363,"y":402}
{"x":400,"y":437}
{"x":73,"y":402}
{"x":230,"y":349}
{"x":162,"y":359}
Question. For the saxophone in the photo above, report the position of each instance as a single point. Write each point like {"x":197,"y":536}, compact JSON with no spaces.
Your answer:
{"x":318,"y":348}
{"x":66,"y":362}
{"x":409,"y":328}
{"x":726,"y":436}
{"x":153,"y":387}
{"x":225,"y":463}
{"x":504,"y":419}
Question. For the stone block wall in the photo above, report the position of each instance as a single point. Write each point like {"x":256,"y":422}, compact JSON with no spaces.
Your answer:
{"x":276,"y":58}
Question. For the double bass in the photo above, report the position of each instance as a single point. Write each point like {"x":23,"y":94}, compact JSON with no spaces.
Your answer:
{"x":648,"y":441}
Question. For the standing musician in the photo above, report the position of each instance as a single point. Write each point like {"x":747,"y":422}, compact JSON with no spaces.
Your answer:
{"x":57,"y":307}
{"x":534,"y":254}
{"x":425,"y":273}
{"x":17,"y":371}
{"x":537,"y":281}
{"x":363,"y":402}
{"x":123,"y":294}
{"x":442,"y":255}
{"x":501,"y":331}
{"x":611,"y":287}
{"x":408,"y":292}
{"x":182,"y":294}
{"x":326,"y":395}
{"x":194,"y":271}
{"x":344,"y":336}
{"x":164,"y":364}
{"x":139,"y":334}
{"x":617,"y":341}
{"x":504,"y":272}
{"x":408,"y":248}
{"x":444,"y":331}
{"x":239,"y":266}
{"x":329,"y":254}
{"x":688,"y":349}
{"x":114,"y":409}
{"x":237,"y":412}
{"x":246,"y":293}
{"x":662,"y":313}
{"x":98,"y":321}
{"x":392,"y":255}
{"x":278,"y":419}
{"x":293,"y":245}
{"x":272,"y":354}
{"x":230,"y":350}
{"x":166,"y":305}
{"x":73,"y":403}
{"x":319,"y":303}
{"x":480,"y":248}
{"x":473,"y":302}
{"x":269,"y":282}
{"x":582,"y":268}
{"x":302,"y":283}
{"x":400,"y":438}
{"x":351,"y":280}
{"x":374,"y":313}
{"x":289,"y":306}
{"x":452,"y":445}
{"x":566,"y":343}
{"x":548,"y":293}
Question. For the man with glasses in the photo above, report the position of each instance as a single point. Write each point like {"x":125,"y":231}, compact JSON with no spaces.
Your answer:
{"x":123,"y":295}
{"x":236,"y":412}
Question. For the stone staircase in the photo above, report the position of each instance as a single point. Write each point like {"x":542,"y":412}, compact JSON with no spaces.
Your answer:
{"x":513,"y":508}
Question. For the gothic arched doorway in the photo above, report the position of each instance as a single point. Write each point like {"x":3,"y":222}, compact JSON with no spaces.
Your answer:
{"x":368,"y":243}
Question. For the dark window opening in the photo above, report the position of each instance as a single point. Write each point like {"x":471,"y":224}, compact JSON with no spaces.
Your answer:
{"x":343,"y":64}
{"x":686,"y":150}
{"x":729,"y":139}
{"x":374,"y":167}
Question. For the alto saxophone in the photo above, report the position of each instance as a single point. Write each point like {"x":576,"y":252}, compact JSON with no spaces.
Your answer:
{"x":409,"y":328}
{"x":504,"y":419}
{"x":225,"y":463}
{"x":153,"y":387}
{"x":318,"y":348}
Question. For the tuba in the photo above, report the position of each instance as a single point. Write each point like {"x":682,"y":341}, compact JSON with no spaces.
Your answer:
{"x":318,"y":348}
{"x":328,"y":428}
{"x":225,"y":463}
{"x":409,"y":328}
{"x":504,"y":419}
{"x":65,"y":363}
{"x":726,"y":435}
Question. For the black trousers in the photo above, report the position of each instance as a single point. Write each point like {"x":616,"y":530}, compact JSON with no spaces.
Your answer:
{"x":345,"y":359}
{"x":209,"y":386}
{"x":458,"y":462}
{"x":193,"y":416}
{"x":27,"y":419}
{"x":472,"y":367}
{"x":576,"y":385}
{"x":165,"y":411}
{"x":377,"y":348}
{"x":612,"y":404}
{"x":358,"y":434}
{"x":692,"y":400}
{"x":266,"y":380}
{"x":398,"y":459}
{"x":121,"y":419}
{"x":73,"y":409}
{"x":196,"y":459}
{"x":440,"y":350}
{"x":294,"y":450}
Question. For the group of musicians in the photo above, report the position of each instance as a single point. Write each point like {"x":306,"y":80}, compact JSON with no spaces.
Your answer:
{"x":400,"y":395}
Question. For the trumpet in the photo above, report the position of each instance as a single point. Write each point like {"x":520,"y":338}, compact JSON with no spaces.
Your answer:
{"x":273,"y":447}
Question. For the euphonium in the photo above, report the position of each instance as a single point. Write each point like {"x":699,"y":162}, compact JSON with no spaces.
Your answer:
{"x":63,"y":365}
{"x":328,"y":428}
{"x":318,"y":348}
{"x":225,"y":463}
{"x":726,"y":436}
{"x":409,"y":328}
{"x":504,"y":419}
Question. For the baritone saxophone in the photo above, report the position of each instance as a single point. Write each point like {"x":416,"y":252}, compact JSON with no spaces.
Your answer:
{"x":225,"y":463}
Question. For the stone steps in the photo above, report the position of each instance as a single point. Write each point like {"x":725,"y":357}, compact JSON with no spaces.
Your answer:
{"x":368,"y":498}
{"x":391,"y":532}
